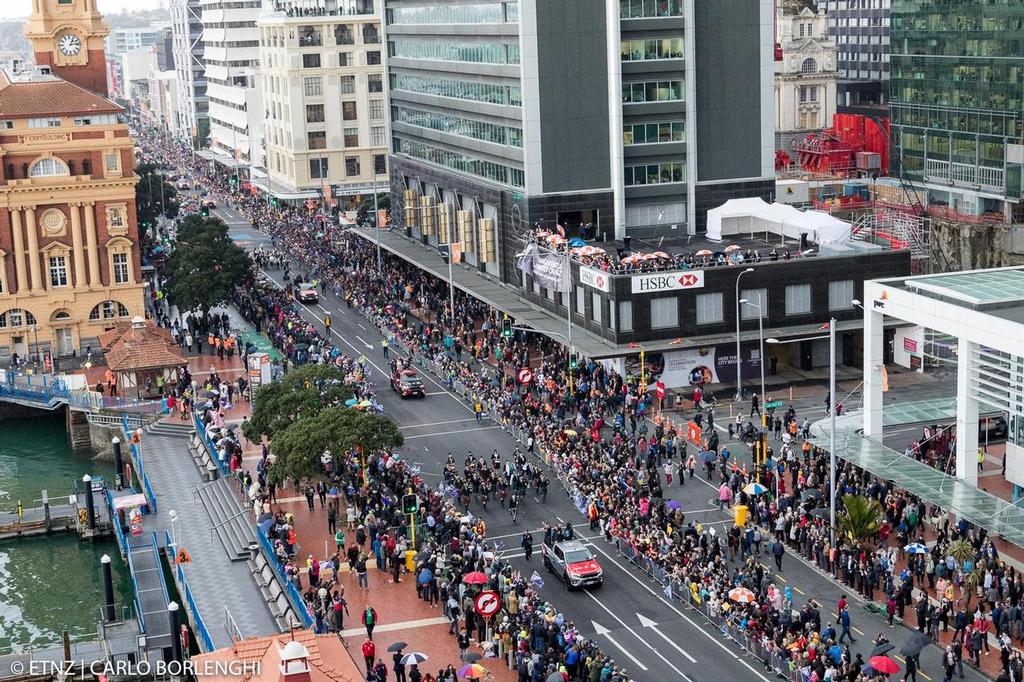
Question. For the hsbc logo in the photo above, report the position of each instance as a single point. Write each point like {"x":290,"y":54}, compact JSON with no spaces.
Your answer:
{"x":669,"y":281}
{"x":595,"y":278}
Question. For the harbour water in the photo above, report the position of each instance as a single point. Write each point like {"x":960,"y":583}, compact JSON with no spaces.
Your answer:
{"x":48,"y":584}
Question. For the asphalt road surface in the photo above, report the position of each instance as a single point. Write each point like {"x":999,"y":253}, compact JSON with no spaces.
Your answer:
{"x":653,"y":637}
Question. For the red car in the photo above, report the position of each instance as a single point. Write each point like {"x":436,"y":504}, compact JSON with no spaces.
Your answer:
{"x":407,"y":383}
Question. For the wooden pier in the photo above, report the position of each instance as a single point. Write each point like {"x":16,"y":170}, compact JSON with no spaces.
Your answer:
{"x":64,"y":514}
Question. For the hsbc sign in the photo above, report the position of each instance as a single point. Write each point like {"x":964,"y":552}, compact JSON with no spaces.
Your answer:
{"x":668,"y":281}
{"x":596,"y":279}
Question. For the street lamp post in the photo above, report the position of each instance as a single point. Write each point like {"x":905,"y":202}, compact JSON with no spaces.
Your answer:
{"x":376,"y":217}
{"x":764,"y":412}
{"x":739,"y":361}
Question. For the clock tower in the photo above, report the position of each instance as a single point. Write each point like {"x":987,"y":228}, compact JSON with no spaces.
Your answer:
{"x":67,"y":35}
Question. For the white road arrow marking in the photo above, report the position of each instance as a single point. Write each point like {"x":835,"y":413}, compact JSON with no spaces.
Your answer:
{"x":605,"y":632}
{"x":652,"y":626}
{"x":368,"y":345}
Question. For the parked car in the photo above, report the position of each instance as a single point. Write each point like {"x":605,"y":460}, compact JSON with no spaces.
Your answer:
{"x":407,"y":383}
{"x":308,"y":295}
{"x":573,"y":563}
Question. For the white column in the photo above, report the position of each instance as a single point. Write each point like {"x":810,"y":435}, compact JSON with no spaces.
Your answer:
{"x":966,"y":415}
{"x":93,"y":244}
{"x":873,"y":364}
{"x":76,"y":243}
{"x":616,"y":156}
{"x":33,"y":249}
{"x":19,"y":251}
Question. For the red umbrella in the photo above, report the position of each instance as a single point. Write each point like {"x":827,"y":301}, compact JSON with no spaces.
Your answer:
{"x":475,"y":578}
{"x":884,"y":665}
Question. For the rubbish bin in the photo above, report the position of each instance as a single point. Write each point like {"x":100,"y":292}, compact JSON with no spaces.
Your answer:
{"x":741,"y":515}
{"x":410,"y":560}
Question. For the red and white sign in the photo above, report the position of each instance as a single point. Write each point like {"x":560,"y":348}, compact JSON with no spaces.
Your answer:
{"x":524,"y":375}
{"x":595,"y":279}
{"x":667,"y":281}
{"x":660,"y":388}
{"x":909,"y":344}
{"x":487,"y":603}
{"x":693,"y":433}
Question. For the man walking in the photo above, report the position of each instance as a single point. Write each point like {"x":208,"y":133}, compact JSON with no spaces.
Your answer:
{"x":778,"y":550}
{"x":399,"y":667}
{"x":755,"y":405}
{"x":369,"y":650}
{"x":844,"y":622}
{"x":370,"y":621}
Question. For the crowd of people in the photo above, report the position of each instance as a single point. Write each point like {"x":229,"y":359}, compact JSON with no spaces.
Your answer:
{"x":620,"y":464}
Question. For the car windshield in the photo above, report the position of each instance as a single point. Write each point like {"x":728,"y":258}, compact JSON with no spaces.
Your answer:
{"x":411,"y":379}
{"x":577,"y":555}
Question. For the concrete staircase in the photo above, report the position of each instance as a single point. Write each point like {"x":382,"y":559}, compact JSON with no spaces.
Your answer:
{"x":162,"y":428}
{"x":228,"y":518}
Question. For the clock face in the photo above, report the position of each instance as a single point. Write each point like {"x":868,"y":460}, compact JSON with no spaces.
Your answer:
{"x":69,"y":44}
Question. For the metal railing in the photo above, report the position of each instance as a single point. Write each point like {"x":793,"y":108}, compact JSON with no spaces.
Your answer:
{"x":231,"y":626}
{"x":202,"y":632}
{"x":140,"y":471}
{"x":49,"y":391}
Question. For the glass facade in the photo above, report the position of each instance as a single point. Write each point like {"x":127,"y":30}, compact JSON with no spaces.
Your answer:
{"x":457,"y":125}
{"x":957,"y":91}
{"x":651,"y":49}
{"x":453,"y":51}
{"x":491,"y":93}
{"x":653,"y":133}
{"x":655,"y":174}
{"x":652,"y":91}
{"x":473,"y":13}
{"x":645,"y":9}
{"x":460,"y":162}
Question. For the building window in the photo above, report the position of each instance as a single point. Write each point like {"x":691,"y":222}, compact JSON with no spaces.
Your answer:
{"x":108,"y":310}
{"x":756,"y":297}
{"x":351,"y":137}
{"x":581,"y":301}
{"x":373,"y":57}
{"x":48,"y":167}
{"x":595,"y":306}
{"x":798,"y":299}
{"x":809,"y":66}
{"x":625,"y":316}
{"x":309,"y":36}
{"x":110,"y":162}
{"x":352,"y":166}
{"x":375,"y":83}
{"x":840,"y":295}
{"x":653,"y":133}
{"x":115,"y":217}
{"x":651,"y":49}
{"x":664,"y":312}
{"x":316,"y":140}
{"x":58,"y":271}
{"x":814,"y":93}
{"x":655,"y":174}
{"x":378,"y":136}
{"x":311,"y":61}
{"x":45,"y":122}
{"x":641,"y":9}
{"x":318,"y":168}
{"x":709,"y":308}
{"x":345,"y":59}
{"x":370,"y":34}
{"x":348,"y":85}
{"x":121,"y":268}
{"x":16,"y":317}
{"x":803,"y":93}
{"x":343,"y":35}
{"x":652,"y":91}
{"x":348,"y":111}
{"x":376,"y":110}
{"x":312,"y":86}
{"x":314,"y":113}
{"x":380,"y":164}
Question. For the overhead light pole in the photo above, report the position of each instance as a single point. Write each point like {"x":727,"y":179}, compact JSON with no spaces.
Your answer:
{"x":764,"y":412}
{"x":739,"y":360}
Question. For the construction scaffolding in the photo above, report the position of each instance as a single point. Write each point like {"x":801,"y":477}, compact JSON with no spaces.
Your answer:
{"x":896,"y":229}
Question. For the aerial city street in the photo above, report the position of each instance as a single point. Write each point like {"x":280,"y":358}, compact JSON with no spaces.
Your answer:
{"x":512,"y":340}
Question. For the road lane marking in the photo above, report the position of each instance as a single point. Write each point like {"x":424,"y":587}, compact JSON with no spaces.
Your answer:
{"x":605,"y":632}
{"x":445,"y":433}
{"x":653,"y":626}
{"x":450,"y":421}
{"x":632,"y":632}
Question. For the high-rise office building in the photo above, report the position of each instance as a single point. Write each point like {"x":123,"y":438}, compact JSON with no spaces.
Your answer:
{"x":123,"y":40}
{"x":957,"y":102}
{"x":633,"y":116}
{"x":187,"y":30}
{"x":323,"y":91}
{"x":860,"y":29}
{"x":231,"y":45}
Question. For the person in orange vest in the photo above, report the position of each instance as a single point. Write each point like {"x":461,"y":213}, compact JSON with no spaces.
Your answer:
{"x":592,"y":514}
{"x":211,"y":342}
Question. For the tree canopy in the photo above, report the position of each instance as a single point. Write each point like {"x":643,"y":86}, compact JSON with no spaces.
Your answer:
{"x":862,"y":519}
{"x":299,"y":394}
{"x":147,"y":195}
{"x":206,"y":265}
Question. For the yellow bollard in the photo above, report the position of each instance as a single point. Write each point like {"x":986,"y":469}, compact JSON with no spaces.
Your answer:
{"x":410,"y":561}
{"x":741,"y":514}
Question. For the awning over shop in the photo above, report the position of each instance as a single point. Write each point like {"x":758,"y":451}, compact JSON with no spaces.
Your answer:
{"x":129,"y":501}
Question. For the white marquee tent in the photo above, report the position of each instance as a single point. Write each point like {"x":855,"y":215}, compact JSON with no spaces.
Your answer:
{"x":753,"y":216}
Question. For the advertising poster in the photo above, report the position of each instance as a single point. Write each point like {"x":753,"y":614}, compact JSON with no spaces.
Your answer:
{"x":697,"y":366}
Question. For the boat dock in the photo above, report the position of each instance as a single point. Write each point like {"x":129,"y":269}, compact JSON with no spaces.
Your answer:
{"x":61,"y":514}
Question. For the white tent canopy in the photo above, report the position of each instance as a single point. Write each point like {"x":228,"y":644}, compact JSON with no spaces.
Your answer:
{"x":752,"y":216}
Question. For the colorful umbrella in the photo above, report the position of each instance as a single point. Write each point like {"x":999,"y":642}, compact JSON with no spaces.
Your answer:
{"x":475,"y":578}
{"x":576,"y":241}
{"x":915,"y":548}
{"x":703,"y":252}
{"x":661,"y":254}
{"x":473,"y":671}
{"x":754,"y":488}
{"x":732,"y":247}
{"x":741,"y":595}
{"x":587,"y":251}
{"x":884,"y":665}
{"x":672,"y":504}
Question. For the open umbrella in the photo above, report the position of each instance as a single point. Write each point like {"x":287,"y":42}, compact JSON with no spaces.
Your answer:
{"x":882,"y":649}
{"x":473,"y":671}
{"x":475,"y":578}
{"x":916,"y":548}
{"x":471,"y":657}
{"x":915,"y":644}
{"x":810,"y":494}
{"x":754,"y":488}
{"x":350,"y":402}
{"x":741,"y":595}
{"x":397,"y":646}
{"x":884,"y":665}
{"x":703,"y":252}
{"x":576,"y":242}
{"x":673,"y":505}
{"x":706,"y":456}
{"x":422,"y":555}
{"x":555,"y":677}
{"x":425,"y":577}
{"x":732,"y":247}
{"x":821,"y":513}
{"x":415,"y":658}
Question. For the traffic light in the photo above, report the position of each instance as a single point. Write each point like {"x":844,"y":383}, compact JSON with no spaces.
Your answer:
{"x":273,"y":201}
{"x":205,"y":211}
{"x":410,"y":504}
{"x":506,"y":327}
{"x":574,"y":361}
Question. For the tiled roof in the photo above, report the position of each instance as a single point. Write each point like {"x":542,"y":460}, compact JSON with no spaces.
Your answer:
{"x":49,"y":98}
{"x":129,"y":347}
{"x":261,"y":658}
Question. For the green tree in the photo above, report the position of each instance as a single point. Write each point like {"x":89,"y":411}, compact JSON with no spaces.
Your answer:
{"x":299,"y":447}
{"x":148,"y":205}
{"x":205,"y":267}
{"x":299,"y":394}
{"x":861,"y":519}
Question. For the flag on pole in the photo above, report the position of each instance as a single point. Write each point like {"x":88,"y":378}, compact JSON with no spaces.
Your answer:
{"x":536,"y":580}
{"x":668,"y":590}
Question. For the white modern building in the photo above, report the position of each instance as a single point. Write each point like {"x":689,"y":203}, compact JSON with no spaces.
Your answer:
{"x":230,"y":43}
{"x":805,"y":79}
{"x":187,"y":35}
{"x":136,"y":65}
{"x":123,"y":40}
{"x":323,"y":91}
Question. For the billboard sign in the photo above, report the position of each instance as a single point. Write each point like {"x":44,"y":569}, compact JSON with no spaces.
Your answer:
{"x":667,"y":281}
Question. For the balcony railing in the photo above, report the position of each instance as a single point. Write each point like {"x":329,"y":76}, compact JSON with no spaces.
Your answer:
{"x":965,"y":174}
